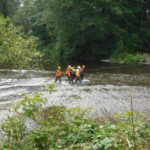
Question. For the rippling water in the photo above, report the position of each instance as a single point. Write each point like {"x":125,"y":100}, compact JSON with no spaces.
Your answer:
{"x":106,"y":89}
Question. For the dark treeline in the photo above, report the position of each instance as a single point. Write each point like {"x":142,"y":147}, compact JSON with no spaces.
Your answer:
{"x":86,"y":29}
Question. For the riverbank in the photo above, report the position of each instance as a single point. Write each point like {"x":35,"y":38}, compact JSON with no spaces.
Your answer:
{"x":131,"y":58}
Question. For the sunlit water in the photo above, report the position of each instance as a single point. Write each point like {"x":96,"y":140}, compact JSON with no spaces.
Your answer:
{"x":106,"y":89}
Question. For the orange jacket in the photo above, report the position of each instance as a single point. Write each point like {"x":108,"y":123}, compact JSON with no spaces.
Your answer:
{"x":58,"y":73}
{"x":68,"y":73}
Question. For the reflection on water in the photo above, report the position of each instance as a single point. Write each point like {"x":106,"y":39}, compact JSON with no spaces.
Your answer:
{"x":107,"y":89}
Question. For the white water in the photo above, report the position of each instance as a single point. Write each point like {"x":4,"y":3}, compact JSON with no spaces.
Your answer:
{"x":105,"y":92}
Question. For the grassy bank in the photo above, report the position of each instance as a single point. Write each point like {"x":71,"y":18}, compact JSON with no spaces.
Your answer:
{"x":130,"y":58}
{"x":34,"y":127}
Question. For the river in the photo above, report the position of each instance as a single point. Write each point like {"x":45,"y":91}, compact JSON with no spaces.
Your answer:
{"x":106,"y":89}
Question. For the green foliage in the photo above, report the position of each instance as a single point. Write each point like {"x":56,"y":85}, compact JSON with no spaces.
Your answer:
{"x":33,"y":127}
{"x":85,"y":29}
{"x":51,"y":87}
{"x":14,"y":128}
{"x":129,"y":58}
{"x":8,"y":7}
{"x":17,"y":49}
{"x":29,"y":106}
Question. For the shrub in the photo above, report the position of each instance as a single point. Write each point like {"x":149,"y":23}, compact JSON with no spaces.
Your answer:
{"x":129,"y":58}
{"x":17,"y":49}
{"x":33,"y":127}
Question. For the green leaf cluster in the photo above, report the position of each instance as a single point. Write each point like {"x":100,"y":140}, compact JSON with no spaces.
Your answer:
{"x":17,"y":49}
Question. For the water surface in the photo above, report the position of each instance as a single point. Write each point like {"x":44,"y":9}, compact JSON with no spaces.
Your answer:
{"x":106,"y":89}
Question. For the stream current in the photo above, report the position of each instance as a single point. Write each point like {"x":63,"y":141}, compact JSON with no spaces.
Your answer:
{"x":106,"y":89}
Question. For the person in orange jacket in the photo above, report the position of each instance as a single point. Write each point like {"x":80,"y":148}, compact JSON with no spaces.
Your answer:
{"x":58,"y":75}
{"x":68,"y":73}
{"x":73,"y":74}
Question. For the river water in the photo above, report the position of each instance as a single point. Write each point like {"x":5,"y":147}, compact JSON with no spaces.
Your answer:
{"x":106,"y":89}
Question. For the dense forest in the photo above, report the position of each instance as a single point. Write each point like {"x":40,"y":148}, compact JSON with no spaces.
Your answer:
{"x":84,"y":29}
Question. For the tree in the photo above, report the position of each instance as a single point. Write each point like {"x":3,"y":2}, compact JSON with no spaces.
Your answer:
{"x":17,"y":49}
{"x":31,"y":17}
{"x":79,"y":29}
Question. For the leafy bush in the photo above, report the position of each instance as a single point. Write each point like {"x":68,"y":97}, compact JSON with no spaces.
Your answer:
{"x":51,"y":87}
{"x":129,"y":58}
{"x":33,"y":127}
{"x":17,"y":49}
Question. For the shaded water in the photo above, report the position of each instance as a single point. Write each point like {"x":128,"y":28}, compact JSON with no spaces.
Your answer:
{"x":106,"y":89}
